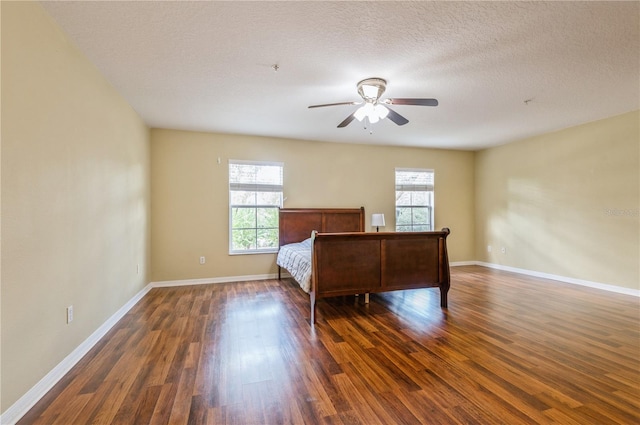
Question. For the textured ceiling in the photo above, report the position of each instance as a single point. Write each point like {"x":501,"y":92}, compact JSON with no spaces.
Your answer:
{"x":502,"y":71}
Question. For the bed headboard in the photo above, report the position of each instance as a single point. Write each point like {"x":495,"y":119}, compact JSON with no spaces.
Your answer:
{"x":296,"y":224}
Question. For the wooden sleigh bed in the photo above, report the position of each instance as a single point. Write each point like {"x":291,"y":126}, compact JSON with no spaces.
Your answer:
{"x":328,"y":253}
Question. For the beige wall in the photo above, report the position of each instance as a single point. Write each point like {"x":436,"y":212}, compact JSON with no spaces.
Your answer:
{"x":75,"y":198}
{"x":190,"y":194}
{"x":564,"y":203}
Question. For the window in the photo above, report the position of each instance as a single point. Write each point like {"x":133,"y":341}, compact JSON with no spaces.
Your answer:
{"x":414,"y":200}
{"x":255,"y":194}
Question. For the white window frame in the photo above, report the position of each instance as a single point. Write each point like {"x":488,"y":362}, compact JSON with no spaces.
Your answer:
{"x":428,"y":187}
{"x":255,"y":187}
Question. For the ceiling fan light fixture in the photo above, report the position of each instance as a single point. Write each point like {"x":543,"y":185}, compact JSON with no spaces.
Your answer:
{"x":366,"y":110}
{"x":381,"y":111}
{"x":374,"y":113}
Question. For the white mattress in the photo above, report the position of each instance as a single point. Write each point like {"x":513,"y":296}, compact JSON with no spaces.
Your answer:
{"x":296,"y":259}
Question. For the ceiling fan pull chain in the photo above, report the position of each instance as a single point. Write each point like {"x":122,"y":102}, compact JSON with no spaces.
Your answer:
{"x":369,"y":126}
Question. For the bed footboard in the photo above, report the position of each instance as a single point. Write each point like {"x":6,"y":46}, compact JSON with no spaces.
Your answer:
{"x":355,"y":263}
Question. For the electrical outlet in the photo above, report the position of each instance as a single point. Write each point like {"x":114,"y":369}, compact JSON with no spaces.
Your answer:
{"x":137,"y":268}
{"x":69,"y":314}
{"x":202,"y":260}
{"x":504,"y":250}
{"x":488,"y":248}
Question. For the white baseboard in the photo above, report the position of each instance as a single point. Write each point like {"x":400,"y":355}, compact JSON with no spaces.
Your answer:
{"x":206,"y":281}
{"x":463,"y":263}
{"x":20,"y":408}
{"x":590,"y":284}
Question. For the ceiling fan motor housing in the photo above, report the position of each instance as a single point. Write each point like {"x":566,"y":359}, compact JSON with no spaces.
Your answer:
{"x":371,"y":89}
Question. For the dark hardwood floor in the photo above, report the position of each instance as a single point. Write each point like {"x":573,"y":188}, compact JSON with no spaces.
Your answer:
{"x":510,"y":349}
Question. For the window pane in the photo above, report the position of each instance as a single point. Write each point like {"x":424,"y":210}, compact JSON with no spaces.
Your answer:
{"x":414,"y":177}
{"x":255,"y":173}
{"x":269,"y":174}
{"x":420,"y":198}
{"x":267,"y":217}
{"x":421,"y":228}
{"x":241,"y":197}
{"x":267,"y":238}
{"x":403,"y":216}
{"x":420,"y":215}
{"x":244,"y":239}
{"x":403,"y":228}
{"x":403,"y":198}
{"x":268,"y":198}
{"x":243,"y":218}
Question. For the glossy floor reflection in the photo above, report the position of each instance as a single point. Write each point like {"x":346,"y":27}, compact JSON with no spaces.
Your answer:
{"x":510,"y":349}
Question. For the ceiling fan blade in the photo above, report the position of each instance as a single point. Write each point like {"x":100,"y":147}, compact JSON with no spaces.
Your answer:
{"x":396,"y":117}
{"x":334,"y":104}
{"x":347,"y":120}
{"x":419,"y":102}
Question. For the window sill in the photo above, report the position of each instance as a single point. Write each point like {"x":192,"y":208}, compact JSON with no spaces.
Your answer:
{"x":270,"y":251}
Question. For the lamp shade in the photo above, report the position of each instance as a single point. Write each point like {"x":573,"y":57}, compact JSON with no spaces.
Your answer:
{"x":377,"y":220}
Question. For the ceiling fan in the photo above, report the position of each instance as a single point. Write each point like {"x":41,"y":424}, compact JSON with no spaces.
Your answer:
{"x":375,"y":109}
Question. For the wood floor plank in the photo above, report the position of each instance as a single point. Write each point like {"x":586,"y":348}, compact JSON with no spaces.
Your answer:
{"x":164,"y":404}
{"x":361,"y":407}
{"x":70,"y":414}
{"x":509,"y":349}
{"x":426,"y":409}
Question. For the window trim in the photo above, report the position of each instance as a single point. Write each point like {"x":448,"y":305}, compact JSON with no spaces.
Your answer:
{"x":253,"y":187}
